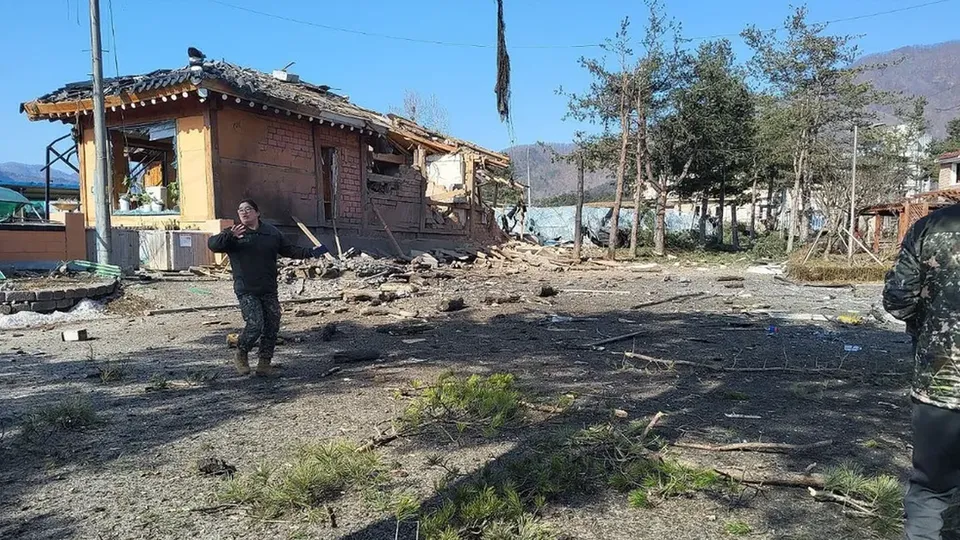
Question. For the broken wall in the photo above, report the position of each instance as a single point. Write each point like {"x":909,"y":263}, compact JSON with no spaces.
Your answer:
{"x":399,"y":198}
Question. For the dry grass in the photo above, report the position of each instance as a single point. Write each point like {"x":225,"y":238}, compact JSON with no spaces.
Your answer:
{"x":836,"y":269}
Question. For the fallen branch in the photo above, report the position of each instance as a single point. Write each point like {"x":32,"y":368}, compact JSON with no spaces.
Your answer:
{"x":817,"y":285}
{"x":653,"y":422}
{"x":377,"y":442}
{"x":588,"y":291}
{"x":711,"y":367}
{"x":773,"y":479}
{"x":615,"y":339}
{"x":212,"y":509}
{"x":676,"y":298}
{"x":166,"y":311}
{"x":550,"y":409}
{"x":331,"y":371}
{"x":830,"y":496}
{"x":773,"y":448}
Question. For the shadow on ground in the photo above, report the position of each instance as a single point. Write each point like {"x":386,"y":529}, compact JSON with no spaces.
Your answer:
{"x":865,"y":401}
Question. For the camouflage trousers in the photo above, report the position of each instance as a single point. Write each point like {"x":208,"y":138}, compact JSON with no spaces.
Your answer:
{"x":262,"y":317}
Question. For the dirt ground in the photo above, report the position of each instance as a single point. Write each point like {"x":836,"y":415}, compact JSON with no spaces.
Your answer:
{"x":133,"y":474}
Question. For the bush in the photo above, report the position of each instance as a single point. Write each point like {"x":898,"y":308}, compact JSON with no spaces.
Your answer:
{"x":769,"y":246}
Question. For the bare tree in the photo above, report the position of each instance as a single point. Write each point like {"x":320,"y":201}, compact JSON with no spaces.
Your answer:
{"x":426,"y":111}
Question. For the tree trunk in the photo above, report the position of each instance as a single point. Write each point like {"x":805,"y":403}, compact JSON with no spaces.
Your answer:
{"x":734,"y":231}
{"x":753,"y":210}
{"x":578,"y":216}
{"x":704,"y":208}
{"x":770,"y":224}
{"x":798,"y":168}
{"x":660,"y":224}
{"x":638,"y":188}
{"x":723,"y":186}
{"x":805,"y":212}
{"x":621,"y":173}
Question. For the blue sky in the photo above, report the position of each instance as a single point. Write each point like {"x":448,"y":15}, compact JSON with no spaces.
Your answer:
{"x":375,"y":71}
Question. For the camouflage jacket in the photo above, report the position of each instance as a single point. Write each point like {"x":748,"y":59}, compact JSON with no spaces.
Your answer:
{"x":923,"y":290}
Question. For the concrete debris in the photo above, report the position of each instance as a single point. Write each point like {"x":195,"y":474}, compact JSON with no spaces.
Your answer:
{"x":450,"y":304}
{"x":546,"y":291}
{"x":497,"y":300}
{"x":74,"y":335}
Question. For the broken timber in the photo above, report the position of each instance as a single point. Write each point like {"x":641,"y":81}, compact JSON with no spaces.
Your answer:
{"x":312,"y":238}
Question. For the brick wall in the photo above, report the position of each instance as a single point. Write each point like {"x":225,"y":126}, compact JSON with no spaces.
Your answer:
{"x":269,"y":158}
{"x":272,"y":158}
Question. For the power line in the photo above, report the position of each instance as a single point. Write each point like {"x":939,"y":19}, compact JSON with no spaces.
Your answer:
{"x":392,"y":37}
{"x":832,"y":21}
{"x":441,"y":43}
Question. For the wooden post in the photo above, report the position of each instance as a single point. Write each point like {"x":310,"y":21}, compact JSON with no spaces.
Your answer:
{"x":578,"y":216}
{"x":877,"y":225}
{"x":470,"y":183}
{"x":364,"y":169}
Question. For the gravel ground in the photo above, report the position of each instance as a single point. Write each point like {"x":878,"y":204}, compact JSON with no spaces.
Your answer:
{"x":133,"y":474}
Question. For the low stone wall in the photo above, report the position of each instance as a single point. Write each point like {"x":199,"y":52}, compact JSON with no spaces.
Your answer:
{"x":50,"y":300}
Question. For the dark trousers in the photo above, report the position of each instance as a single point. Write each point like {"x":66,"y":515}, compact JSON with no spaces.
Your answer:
{"x":936,"y":470}
{"x":261,"y":313}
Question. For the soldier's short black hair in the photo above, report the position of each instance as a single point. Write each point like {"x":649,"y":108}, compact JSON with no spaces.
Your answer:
{"x":252,"y":203}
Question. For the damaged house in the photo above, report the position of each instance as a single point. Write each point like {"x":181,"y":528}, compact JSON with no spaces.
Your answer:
{"x":187,"y":144}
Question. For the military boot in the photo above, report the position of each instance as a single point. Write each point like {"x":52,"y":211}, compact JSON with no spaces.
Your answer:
{"x":264,"y":369}
{"x":241,"y":362}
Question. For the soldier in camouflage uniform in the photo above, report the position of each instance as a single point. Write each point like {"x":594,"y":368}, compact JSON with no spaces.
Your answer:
{"x":253,"y":247}
{"x":923,"y":290}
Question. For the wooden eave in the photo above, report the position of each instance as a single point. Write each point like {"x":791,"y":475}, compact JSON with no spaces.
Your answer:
{"x":36,"y":110}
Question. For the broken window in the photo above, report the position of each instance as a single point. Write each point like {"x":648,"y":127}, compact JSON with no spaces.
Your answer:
{"x":145,"y":175}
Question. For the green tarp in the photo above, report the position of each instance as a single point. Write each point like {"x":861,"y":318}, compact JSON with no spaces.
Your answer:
{"x":10,"y":202}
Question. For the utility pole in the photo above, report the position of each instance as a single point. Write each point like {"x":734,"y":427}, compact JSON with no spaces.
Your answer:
{"x":853,"y":196}
{"x":101,"y":174}
{"x":578,"y":216}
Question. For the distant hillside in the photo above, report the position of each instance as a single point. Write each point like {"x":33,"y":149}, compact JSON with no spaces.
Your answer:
{"x":549,"y":178}
{"x":932,"y":71}
{"x":23,"y":175}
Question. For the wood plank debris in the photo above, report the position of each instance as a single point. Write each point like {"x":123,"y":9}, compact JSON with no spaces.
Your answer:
{"x":308,"y":234}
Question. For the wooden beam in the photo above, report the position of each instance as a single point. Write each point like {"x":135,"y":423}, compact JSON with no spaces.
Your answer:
{"x":390,"y":158}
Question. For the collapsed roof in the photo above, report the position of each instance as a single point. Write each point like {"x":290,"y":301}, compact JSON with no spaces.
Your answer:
{"x":223,"y":80}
